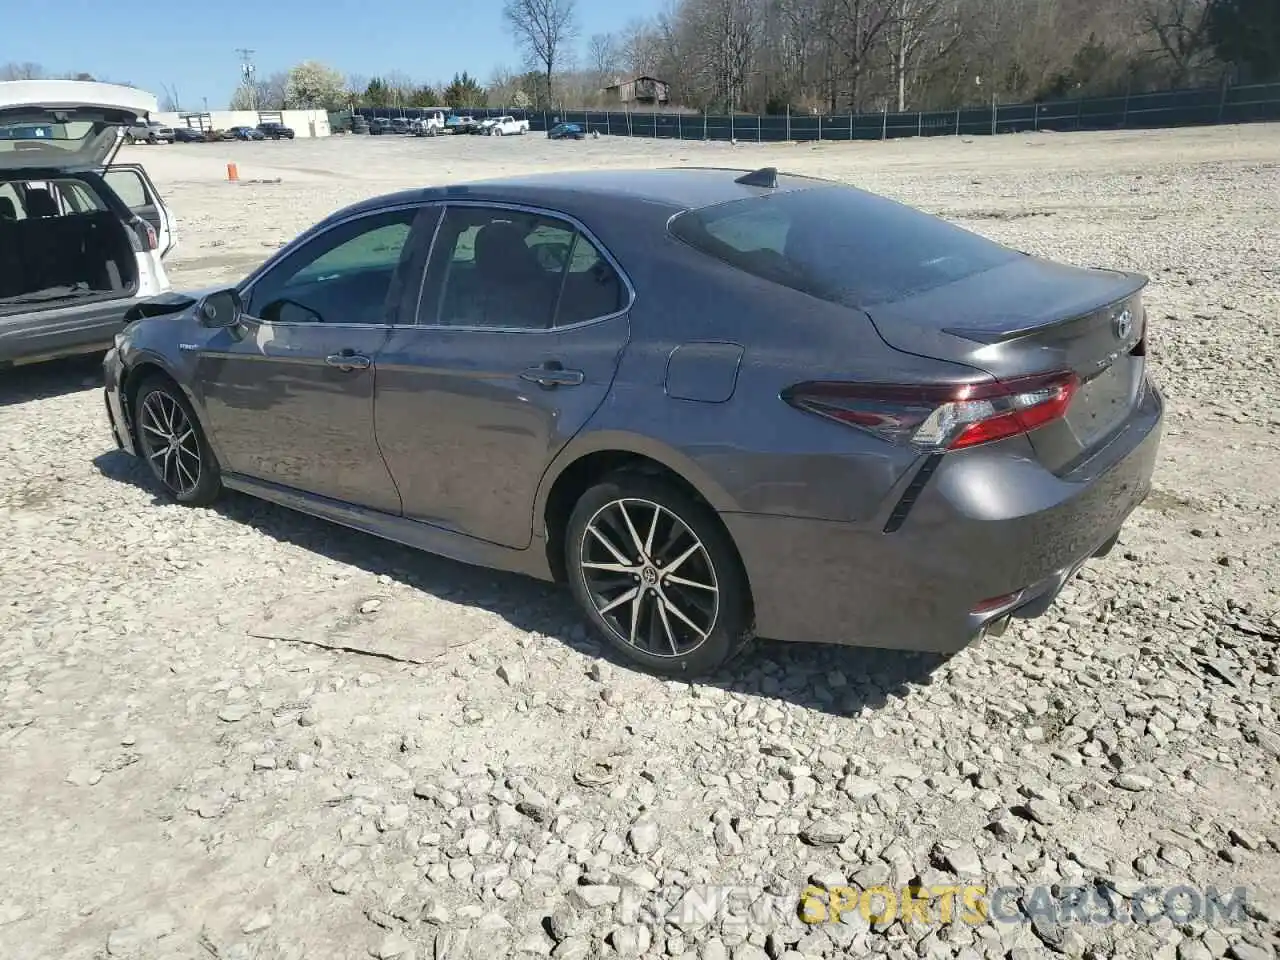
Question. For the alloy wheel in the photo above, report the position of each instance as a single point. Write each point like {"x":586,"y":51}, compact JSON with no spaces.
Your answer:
{"x":650,"y":577}
{"x":169,"y":442}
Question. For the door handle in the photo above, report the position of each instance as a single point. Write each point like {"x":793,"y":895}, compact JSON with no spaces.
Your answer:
{"x":552,"y":374}
{"x":348,"y":360}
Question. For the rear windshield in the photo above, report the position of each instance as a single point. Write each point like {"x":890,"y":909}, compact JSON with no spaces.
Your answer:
{"x":52,"y":144}
{"x":839,"y":244}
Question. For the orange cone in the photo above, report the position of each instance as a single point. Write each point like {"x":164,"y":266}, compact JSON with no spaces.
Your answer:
{"x":232,"y":173}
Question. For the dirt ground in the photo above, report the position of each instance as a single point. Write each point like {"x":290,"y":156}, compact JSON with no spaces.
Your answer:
{"x":190,"y":767}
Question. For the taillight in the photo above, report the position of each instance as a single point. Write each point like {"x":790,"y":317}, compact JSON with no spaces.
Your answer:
{"x":146,"y":235}
{"x":941,"y":417}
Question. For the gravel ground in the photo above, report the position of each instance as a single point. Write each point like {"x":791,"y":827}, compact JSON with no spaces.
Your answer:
{"x":242,"y":733}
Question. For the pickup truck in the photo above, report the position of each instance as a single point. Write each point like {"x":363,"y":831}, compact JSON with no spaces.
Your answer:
{"x":506,"y":127}
{"x":148,"y":133}
{"x":428,"y":126}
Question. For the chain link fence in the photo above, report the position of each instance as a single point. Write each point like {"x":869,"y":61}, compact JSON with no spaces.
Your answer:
{"x":1171,"y":108}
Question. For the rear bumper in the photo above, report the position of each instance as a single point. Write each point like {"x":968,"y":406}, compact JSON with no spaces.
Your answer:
{"x":50,"y":334}
{"x":972,"y":536}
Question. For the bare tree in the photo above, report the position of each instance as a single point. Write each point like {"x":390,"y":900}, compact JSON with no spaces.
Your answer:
{"x":545,"y":29}
{"x":602,"y":55}
{"x":273,"y":92}
{"x":21,"y":71}
{"x":915,"y":22}
{"x":720,"y":38}
{"x":503,"y":86}
{"x":638,"y":47}
{"x":356,"y":86}
{"x":1181,"y":29}
{"x":170,"y":102}
{"x":400,"y":85}
{"x":796,"y":31}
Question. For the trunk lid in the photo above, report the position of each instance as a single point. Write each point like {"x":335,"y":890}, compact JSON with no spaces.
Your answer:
{"x":66,"y":124}
{"x":1034,"y":316}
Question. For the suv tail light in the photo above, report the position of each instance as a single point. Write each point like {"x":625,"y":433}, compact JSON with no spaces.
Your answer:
{"x":146,"y":235}
{"x":937,"y":418}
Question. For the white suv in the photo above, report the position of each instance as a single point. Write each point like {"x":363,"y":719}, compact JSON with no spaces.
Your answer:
{"x":81,"y":238}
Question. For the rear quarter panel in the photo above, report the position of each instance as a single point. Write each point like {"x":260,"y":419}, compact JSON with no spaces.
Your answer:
{"x":750,"y":452}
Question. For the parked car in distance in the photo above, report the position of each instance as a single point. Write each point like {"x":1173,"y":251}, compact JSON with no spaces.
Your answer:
{"x":149,"y":133}
{"x":463,"y":124}
{"x":430,"y":125}
{"x":82,"y":237}
{"x":566,"y":131}
{"x":246,"y":133}
{"x":379,"y":126}
{"x":275,"y":131}
{"x":507,"y":127}
{"x":670,"y":390}
{"x":189,"y":135}
{"x":399,"y":125}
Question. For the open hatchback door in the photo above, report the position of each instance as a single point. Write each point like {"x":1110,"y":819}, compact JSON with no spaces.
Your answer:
{"x":81,"y":238}
{"x":56,"y":125}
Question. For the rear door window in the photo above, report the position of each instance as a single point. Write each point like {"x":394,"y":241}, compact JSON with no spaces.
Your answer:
{"x":498,"y":268}
{"x":78,"y":198}
{"x":129,"y":187}
{"x":592,"y":288}
{"x":839,"y":244}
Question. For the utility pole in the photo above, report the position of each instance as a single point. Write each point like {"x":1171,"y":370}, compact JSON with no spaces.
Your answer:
{"x":247,"y":71}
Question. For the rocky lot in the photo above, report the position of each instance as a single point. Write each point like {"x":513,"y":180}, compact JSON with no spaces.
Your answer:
{"x":241,"y":733}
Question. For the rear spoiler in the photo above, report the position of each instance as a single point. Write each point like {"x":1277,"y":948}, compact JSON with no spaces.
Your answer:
{"x":995,"y":335}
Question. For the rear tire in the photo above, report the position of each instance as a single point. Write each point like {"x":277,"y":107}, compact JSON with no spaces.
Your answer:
{"x":173,"y":445}
{"x":680,"y":605}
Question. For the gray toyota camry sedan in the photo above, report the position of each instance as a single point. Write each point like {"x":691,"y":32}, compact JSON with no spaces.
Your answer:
{"x":716,"y":403}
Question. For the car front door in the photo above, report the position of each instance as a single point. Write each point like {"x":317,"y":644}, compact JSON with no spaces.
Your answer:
{"x":521,"y":323}
{"x":288,"y":396}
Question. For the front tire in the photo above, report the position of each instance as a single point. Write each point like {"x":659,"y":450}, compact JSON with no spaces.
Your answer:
{"x":658,"y":576}
{"x":173,"y":445}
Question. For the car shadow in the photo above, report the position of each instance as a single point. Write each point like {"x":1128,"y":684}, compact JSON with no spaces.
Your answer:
{"x":53,"y":378}
{"x":834,"y":679}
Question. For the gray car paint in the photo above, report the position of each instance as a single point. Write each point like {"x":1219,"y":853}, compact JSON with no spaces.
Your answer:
{"x":805,"y":500}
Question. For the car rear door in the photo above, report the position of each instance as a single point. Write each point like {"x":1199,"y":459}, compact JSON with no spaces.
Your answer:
{"x":516,"y":346}
{"x":132,"y":185}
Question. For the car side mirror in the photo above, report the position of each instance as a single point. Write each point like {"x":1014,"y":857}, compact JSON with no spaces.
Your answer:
{"x":221,"y":310}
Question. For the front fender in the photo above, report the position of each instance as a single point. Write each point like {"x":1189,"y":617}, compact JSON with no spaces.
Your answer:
{"x":137,"y":356}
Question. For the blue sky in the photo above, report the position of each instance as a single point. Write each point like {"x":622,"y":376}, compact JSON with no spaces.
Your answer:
{"x":191,"y":44}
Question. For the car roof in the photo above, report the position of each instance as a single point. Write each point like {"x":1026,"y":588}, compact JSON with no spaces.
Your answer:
{"x":577,"y":192}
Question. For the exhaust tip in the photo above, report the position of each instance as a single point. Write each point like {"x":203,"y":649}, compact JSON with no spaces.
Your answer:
{"x":996,"y":628}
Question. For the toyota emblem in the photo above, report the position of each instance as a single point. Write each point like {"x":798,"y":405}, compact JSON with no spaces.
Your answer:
{"x":1123,"y":322}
